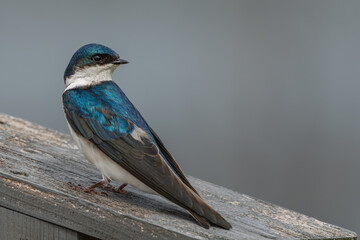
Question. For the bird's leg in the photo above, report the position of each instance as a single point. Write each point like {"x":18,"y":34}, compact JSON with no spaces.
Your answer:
{"x":89,"y":189}
{"x":105,"y":180}
{"x":122,"y":186}
{"x":98,"y":184}
{"x":118,"y":190}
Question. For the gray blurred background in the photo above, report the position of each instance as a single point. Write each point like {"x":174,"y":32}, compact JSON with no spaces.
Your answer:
{"x":258,"y":96}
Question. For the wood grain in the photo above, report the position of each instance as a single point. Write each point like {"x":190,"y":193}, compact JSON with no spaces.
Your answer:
{"x":37,"y":164}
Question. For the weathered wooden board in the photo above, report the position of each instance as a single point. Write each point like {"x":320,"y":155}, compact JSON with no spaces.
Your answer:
{"x":37,"y":163}
{"x":14,"y":225}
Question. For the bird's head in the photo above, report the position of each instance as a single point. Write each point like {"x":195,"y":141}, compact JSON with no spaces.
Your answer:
{"x":92,"y":62}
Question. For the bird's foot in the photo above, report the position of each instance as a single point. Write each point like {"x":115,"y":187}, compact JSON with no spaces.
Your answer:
{"x":92,"y":191}
{"x":117,"y":190}
{"x":88,"y":189}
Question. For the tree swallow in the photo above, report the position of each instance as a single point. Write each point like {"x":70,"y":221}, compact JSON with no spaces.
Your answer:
{"x":113,"y":135}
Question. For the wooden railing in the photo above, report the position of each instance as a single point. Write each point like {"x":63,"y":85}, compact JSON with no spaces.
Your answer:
{"x":39,"y":168}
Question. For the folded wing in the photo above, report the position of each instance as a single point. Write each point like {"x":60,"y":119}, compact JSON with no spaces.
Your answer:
{"x":137,"y":152}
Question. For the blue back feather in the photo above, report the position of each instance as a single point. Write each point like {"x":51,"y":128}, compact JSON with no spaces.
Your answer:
{"x":88,"y":103}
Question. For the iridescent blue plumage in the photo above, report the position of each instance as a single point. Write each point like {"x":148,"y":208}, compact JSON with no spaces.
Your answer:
{"x":87,"y":103}
{"x":107,"y":105}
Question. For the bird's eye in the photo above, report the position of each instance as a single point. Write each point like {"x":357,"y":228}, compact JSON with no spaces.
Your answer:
{"x":96,"y":58}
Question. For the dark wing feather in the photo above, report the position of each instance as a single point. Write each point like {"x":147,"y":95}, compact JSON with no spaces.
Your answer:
{"x":151,"y":169}
{"x":172,"y":161}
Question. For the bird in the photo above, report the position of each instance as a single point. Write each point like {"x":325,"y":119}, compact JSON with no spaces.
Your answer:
{"x":112,"y":134}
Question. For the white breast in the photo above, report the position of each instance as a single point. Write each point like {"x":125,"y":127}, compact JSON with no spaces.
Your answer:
{"x":108,"y":167}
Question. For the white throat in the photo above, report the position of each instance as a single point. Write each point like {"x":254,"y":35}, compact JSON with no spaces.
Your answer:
{"x":84,"y":77}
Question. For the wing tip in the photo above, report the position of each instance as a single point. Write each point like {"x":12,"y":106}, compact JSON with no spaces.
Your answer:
{"x":205,"y":223}
{"x":201,"y":220}
{"x":224,"y":224}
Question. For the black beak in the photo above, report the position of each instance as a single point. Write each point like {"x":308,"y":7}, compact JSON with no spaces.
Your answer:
{"x":120,"y":61}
